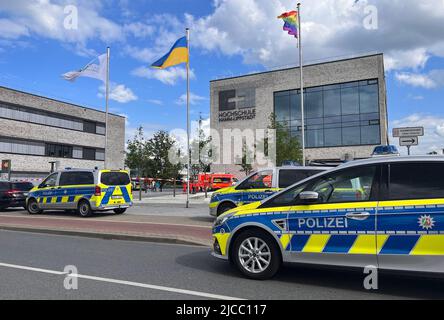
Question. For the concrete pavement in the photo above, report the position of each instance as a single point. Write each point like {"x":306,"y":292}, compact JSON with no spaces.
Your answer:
{"x":31,"y":267}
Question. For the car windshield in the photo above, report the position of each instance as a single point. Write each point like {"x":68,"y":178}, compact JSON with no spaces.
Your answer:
{"x":115,"y":178}
{"x":22,"y":186}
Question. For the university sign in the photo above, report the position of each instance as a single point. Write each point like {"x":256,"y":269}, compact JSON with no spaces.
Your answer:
{"x":237,"y":104}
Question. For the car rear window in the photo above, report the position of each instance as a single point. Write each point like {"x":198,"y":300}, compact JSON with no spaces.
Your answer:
{"x":4,"y":186}
{"x":290,"y":177}
{"x":115,"y":178}
{"x":23,"y":186}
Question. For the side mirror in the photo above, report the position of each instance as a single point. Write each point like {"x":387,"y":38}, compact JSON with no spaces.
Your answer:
{"x":309,"y":197}
{"x":42,"y":185}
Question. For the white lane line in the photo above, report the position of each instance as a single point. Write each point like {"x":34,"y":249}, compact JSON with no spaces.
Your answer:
{"x":124,"y":282}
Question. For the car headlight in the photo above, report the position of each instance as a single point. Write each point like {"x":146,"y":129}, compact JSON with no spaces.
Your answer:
{"x":222,"y":219}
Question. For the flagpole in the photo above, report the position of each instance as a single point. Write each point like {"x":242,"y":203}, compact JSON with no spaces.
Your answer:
{"x":188,"y":118}
{"x":301,"y":72}
{"x":108,"y":51}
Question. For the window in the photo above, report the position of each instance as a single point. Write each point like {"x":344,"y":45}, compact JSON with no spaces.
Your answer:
{"x":115,"y":178}
{"x":76,"y":178}
{"x":4,"y":186}
{"x":290,"y":177}
{"x":287,"y":198}
{"x":100,"y":128}
{"x":41,"y":117}
{"x":344,"y":114}
{"x":22,"y":186}
{"x":89,"y":126}
{"x":50,"y":181}
{"x":416,"y":181}
{"x":89,"y":154}
{"x":349,"y":185}
{"x":259,"y":180}
{"x":58,"y":151}
{"x":17,"y":146}
{"x":100,"y":155}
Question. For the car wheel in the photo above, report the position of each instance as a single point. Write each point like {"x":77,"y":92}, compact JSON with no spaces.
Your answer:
{"x":224,"y":207}
{"x":84,"y":209}
{"x":33,"y":207}
{"x":120,"y":211}
{"x":256,"y":254}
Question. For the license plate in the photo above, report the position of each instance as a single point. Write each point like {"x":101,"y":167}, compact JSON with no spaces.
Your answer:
{"x":25,"y":194}
{"x":116,"y":197}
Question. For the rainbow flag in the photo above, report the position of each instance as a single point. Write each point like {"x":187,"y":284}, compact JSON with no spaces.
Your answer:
{"x":177,"y":54}
{"x":291,"y":22}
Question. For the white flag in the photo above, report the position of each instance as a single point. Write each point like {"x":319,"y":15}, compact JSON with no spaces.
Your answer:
{"x":96,"y":71}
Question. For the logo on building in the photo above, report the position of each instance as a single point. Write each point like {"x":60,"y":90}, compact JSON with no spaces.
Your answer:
{"x":237,"y":104}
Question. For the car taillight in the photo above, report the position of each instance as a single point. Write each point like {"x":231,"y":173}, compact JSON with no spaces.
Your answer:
{"x":98,"y":191}
{"x":12,"y":192}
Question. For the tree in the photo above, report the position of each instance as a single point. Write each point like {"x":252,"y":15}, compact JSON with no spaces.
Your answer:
{"x":200,"y":153}
{"x":158,"y":164}
{"x":288,"y":147}
{"x":136,"y":152}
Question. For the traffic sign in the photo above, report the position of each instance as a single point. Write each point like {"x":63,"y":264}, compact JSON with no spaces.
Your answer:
{"x":408,"y":132}
{"x":408,"y":141}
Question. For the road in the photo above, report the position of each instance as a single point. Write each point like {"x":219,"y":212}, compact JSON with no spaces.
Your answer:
{"x":31,"y":267}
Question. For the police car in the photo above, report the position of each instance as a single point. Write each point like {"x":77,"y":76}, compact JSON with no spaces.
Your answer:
{"x":384,"y":212}
{"x":258,"y":186}
{"x":85,"y":191}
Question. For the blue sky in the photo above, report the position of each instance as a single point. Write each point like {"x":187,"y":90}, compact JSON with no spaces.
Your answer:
{"x":228,"y":37}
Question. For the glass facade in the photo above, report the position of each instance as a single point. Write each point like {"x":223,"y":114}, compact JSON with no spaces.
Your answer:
{"x":345,"y":114}
{"x":46,"y":118}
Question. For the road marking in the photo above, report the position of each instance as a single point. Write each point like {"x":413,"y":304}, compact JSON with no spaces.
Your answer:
{"x":123,"y":282}
{"x":113,"y":221}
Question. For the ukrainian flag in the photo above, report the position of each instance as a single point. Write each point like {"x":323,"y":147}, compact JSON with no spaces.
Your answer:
{"x":177,"y":54}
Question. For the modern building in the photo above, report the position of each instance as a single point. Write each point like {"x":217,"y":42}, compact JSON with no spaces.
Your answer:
{"x":345,"y":106}
{"x":35,"y":131}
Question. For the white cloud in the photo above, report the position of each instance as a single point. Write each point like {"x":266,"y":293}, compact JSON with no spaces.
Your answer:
{"x":45,"y":18}
{"x":12,"y":30}
{"x":167,"y":76}
{"x":330,"y":29}
{"x":139,"y":29}
{"x":194,"y":99}
{"x":433,"y":139}
{"x":431,"y":80}
{"x":118,"y":92}
{"x":156,"y":102}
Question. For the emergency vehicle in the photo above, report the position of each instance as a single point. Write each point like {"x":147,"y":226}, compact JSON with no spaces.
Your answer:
{"x":258,"y":186}
{"x":85,"y":191}
{"x":386,"y":212}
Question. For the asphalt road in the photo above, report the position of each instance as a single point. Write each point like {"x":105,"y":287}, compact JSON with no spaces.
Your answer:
{"x":31,"y":267}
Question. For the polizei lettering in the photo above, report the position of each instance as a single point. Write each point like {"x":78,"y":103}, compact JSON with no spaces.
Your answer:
{"x":323,"y":223}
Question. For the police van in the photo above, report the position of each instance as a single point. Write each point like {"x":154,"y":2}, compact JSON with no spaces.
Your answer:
{"x":85,"y":191}
{"x":258,"y":186}
{"x":384,"y":212}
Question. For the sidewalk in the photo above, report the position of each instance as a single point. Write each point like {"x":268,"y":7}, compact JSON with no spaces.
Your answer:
{"x":180,"y":197}
{"x":180,"y":230}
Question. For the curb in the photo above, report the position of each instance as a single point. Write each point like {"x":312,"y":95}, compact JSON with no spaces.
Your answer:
{"x":109,"y":236}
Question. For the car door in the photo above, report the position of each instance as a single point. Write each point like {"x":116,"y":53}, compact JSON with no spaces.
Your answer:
{"x":47,"y":191}
{"x":257,"y":187}
{"x":338,"y":228}
{"x":410,"y":220}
